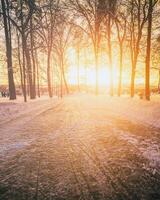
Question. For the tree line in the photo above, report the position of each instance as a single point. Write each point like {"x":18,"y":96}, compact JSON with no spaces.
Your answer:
{"x":37,"y":28}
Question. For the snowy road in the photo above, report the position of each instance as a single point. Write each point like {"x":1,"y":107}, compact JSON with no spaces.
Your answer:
{"x":79,"y":149}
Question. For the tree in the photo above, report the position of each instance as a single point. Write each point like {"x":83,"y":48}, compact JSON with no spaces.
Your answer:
{"x":121,"y":25}
{"x":63,"y":34}
{"x":152,"y":3}
{"x":138,"y":18}
{"x":90,"y":16}
{"x":7,"y":29}
{"x":47,"y":25}
{"x":78,"y":45}
{"x":110,"y":8}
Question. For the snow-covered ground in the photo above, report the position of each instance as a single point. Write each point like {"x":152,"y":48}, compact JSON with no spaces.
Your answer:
{"x":81,"y":147}
{"x":136,"y":110}
{"x":10,"y":110}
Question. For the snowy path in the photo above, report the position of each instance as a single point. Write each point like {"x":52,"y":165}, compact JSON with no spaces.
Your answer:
{"x":79,"y":149}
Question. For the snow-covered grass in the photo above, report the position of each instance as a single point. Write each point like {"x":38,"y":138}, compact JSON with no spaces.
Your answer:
{"x":9,"y":110}
{"x":136,"y":110}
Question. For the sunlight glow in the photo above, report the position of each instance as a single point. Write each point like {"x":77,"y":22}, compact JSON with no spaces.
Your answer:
{"x":89,"y":76}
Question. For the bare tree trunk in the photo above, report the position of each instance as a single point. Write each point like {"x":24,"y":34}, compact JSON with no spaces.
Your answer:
{"x":49,"y":73}
{"x":133,"y":82}
{"x":37,"y":70}
{"x":33,"y":60}
{"x":97,"y":45}
{"x":148,"y":51}
{"x":29,"y":68}
{"x":23,"y":56}
{"x":20,"y":64}
{"x":133,"y":73}
{"x":24,"y":71}
{"x":110,"y":55}
{"x":120,"y":71}
{"x":7,"y":28}
{"x":64,"y":77}
{"x":86,"y":74}
{"x":121,"y":39}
